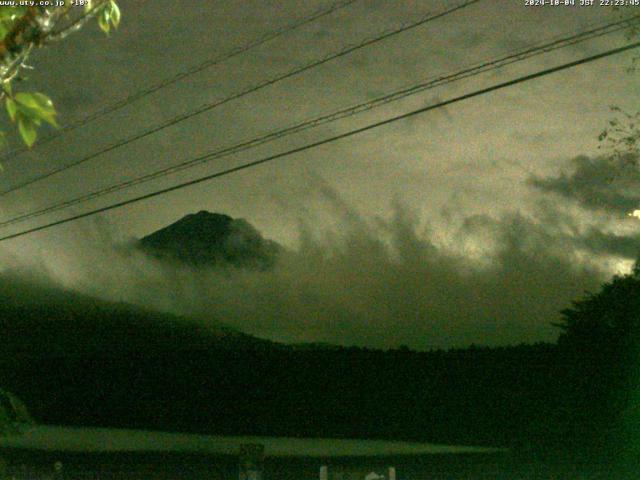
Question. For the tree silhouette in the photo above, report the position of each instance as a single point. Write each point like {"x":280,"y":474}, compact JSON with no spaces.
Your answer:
{"x":599,"y":353}
{"x":621,"y":137}
{"x":605,"y":322}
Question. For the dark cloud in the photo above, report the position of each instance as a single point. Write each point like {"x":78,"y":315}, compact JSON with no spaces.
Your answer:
{"x":597,"y":183}
{"x":597,"y":241}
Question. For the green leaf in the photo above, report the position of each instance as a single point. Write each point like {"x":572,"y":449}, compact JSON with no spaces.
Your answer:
{"x":44,"y":100}
{"x":37,"y":107}
{"x":104,"y":20}
{"x":36,"y":101}
{"x":115,"y":14}
{"x":109,"y":16}
{"x":11,"y":108}
{"x":50,"y":119}
{"x":27,"y":129}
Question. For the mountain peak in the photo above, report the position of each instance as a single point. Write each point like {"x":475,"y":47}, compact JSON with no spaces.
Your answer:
{"x":206,"y":215}
{"x":205,"y":238}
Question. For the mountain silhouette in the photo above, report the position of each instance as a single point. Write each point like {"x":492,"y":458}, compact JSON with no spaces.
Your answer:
{"x":39,"y":320}
{"x":212,"y":239}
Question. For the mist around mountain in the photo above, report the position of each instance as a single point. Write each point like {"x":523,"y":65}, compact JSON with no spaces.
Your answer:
{"x":39,"y":320}
{"x":207,"y":239}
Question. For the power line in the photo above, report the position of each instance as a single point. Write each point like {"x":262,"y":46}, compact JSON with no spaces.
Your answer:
{"x":267,"y":37}
{"x":432,"y":82}
{"x":325,"y":141}
{"x":210,"y":106}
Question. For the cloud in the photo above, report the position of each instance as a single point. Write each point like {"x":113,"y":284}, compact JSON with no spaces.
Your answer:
{"x":607,"y":192}
{"x":597,"y":183}
{"x":597,"y":241}
{"x":355,"y":279}
{"x":379,"y":282}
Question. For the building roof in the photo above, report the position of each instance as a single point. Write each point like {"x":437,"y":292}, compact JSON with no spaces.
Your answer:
{"x":52,"y":438}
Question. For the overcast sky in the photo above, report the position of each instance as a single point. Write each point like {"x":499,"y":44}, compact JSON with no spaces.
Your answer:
{"x":489,"y":215}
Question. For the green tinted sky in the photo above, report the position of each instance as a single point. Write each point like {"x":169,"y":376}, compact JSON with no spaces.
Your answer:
{"x":464,"y":172}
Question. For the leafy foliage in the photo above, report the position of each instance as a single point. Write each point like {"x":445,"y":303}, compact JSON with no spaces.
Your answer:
{"x":622,"y":134}
{"x":608,"y":320}
{"x":600,"y":345}
{"x":22,"y":28}
{"x":8,"y":17}
{"x":29,"y":110}
{"x":109,"y":16}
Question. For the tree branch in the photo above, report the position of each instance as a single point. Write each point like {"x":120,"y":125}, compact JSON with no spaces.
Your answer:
{"x":77,"y":23}
{"x":34,"y":29}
